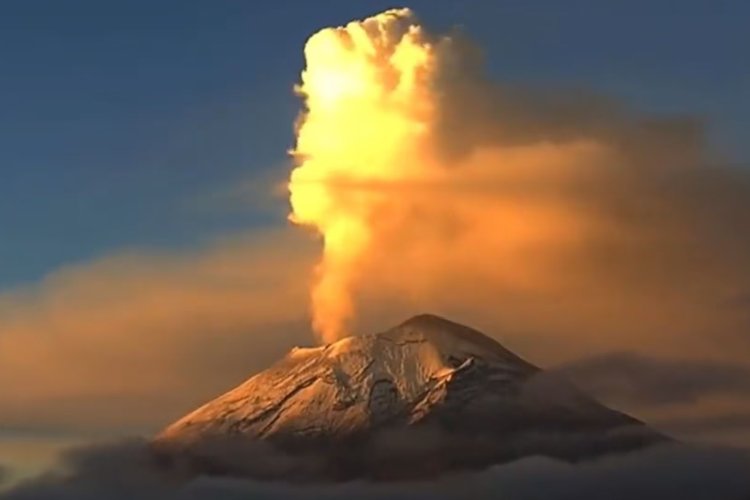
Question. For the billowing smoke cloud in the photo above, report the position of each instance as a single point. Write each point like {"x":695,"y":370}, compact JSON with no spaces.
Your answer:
{"x":369,"y":110}
{"x":126,"y":471}
{"x":431,"y":185}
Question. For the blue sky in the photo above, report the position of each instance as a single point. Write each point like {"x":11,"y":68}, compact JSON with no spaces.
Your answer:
{"x":124,"y":122}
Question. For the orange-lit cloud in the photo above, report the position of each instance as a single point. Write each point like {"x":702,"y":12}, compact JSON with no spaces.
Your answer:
{"x":366,"y":88}
{"x":435,"y":188}
{"x":131,"y":340}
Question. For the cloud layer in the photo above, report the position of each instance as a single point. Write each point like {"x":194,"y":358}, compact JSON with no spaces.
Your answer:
{"x":639,"y":379}
{"x":124,"y":471}
{"x":131,"y":340}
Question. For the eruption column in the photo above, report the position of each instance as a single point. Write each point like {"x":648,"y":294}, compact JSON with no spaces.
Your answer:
{"x":367,"y":89}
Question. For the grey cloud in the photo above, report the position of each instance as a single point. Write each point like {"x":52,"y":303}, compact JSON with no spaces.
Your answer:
{"x":125,"y":471}
{"x":697,"y":425}
{"x":632,"y":378}
{"x":501,"y":113}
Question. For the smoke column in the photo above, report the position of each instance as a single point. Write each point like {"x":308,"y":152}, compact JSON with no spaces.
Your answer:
{"x":406,"y":175}
{"x":369,"y":109}
{"x":434,"y":187}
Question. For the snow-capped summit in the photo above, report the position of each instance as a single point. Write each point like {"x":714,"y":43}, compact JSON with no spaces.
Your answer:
{"x":426,"y":396}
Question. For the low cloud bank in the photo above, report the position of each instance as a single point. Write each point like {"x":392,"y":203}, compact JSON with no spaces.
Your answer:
{"x":636,"y":378}
{"x":695,"y":399}
{"x":125,"y":471}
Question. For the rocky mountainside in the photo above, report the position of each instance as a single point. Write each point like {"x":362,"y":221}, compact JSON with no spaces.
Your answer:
{"x":426,"y":397}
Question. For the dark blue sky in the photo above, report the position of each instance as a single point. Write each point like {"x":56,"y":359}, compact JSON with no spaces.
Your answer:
{"x":122,"y":123}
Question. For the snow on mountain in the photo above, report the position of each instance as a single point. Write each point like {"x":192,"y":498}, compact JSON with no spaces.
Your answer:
{"x":423,"y":398}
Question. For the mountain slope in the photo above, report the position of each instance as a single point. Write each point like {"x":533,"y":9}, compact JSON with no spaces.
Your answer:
{"x":423,"y":398}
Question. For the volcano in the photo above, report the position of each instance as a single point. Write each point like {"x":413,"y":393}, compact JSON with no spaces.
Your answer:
{"x":426,"y":397}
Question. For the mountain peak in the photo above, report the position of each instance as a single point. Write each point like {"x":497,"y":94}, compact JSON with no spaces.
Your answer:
{"x":431,"y":325}
{"x":427,"y":320}
{"x":450,"y":337}
{"x":476,"y":399}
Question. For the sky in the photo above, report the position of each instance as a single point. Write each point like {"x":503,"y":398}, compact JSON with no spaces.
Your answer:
{"x":123,"y":124}
{"x":149,"y":263}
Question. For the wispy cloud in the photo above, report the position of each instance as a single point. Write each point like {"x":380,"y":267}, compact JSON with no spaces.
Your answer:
{"x":134,"y":339}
